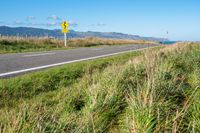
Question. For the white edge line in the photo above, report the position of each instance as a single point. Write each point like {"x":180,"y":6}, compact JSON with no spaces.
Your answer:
{"x":33,"y":55}
{"x":68,"y":62}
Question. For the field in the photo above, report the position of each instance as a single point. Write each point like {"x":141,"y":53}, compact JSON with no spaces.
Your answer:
{"x":21,"y":44}
{"x":157,"y":90}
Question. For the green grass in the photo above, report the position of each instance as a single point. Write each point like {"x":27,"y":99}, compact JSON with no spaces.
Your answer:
{"x":40,"y":82}
{"x":7,"y":46}
{"x":153,"y":91}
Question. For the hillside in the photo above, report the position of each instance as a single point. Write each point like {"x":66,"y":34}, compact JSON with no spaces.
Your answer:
{"x":156,"y":90}
{"x":36,"y":32}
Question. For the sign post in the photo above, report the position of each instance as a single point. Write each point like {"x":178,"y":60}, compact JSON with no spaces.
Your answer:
{"x":65,"y":26}
{"x":65,"y":34}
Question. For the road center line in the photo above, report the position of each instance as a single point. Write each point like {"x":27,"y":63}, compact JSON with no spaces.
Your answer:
{"x":34,"y":55}
{"x":96,"y":49}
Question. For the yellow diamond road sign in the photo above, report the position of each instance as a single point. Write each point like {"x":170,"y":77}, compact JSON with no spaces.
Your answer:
{"x":65,"y":30}
{"x":65,"y":25}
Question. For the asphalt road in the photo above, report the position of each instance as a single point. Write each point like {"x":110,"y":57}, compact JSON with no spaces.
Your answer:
{"x":17,"y":64}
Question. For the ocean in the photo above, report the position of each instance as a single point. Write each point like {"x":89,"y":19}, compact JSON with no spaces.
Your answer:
{"x":169,"y":42}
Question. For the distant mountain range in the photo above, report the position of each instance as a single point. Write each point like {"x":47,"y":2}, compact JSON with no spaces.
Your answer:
{"x":37,"y":32}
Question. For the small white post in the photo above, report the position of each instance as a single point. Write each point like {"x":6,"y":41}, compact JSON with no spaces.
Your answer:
{"x":65,"y":34}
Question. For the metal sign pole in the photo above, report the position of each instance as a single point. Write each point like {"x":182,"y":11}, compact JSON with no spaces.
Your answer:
{"x":65,"y":34}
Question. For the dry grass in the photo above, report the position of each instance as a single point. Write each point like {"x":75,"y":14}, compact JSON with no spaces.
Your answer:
{"x":75,"y":42}
{"x":34,"y":40}
{"x":25,"y":44}
{"x":93,"y":41}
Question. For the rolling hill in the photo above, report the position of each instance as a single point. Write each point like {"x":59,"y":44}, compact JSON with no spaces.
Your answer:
{"x":37,"y":32}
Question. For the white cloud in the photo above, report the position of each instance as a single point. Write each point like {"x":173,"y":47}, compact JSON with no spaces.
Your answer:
{"x":52,"y":24}
{"x":54,"y":17}
{"x":55,"y":21}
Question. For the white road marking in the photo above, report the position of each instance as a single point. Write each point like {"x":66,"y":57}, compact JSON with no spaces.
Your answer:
{"x":68,"y":62}
{"x":34,"y":55}
{"x":122,"y":46}
{"x":96,"y":49}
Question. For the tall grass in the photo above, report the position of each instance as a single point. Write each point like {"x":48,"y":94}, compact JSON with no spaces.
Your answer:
{"x":155,"y":92}
{"x":22,"y":44}
{"x":93,"y":41}
{"x":163,"y":100}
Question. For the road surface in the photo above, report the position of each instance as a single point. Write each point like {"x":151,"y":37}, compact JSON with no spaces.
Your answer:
{"x":17,"y":64}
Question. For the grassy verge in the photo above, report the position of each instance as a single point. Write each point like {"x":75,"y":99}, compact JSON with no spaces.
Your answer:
{"x":157,"y":91}
{"x":30,"y":85}
{"x":17,"y":45}
{"x":92,"y":41}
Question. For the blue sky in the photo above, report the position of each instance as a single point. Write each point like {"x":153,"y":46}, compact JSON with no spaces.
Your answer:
{"x":180,"y":18}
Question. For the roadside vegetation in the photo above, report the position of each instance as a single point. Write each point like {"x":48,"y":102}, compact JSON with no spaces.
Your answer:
{"x":93,"y":41}
{"x":30,"y":44}
{"x":157,"y":90}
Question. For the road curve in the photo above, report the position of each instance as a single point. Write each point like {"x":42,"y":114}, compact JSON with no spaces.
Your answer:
{"x":17,"y":64}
